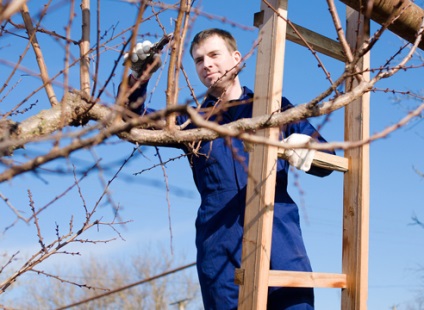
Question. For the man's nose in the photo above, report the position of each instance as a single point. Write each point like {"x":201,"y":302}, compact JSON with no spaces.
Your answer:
{"x":206,"y":62}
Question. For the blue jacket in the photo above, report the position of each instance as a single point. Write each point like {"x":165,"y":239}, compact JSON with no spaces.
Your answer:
{"x":220,"y":173}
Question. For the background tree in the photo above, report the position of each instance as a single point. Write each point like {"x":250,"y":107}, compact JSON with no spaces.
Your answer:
{"x":101,"y":279}
{"x":66,"y":153}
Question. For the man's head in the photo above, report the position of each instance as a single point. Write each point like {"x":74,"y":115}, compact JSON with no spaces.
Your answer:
{"x":217,"y":61}
{"x":205,"y":34}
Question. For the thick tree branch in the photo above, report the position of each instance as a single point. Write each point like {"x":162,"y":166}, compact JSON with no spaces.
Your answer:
{"x":406,"y":26}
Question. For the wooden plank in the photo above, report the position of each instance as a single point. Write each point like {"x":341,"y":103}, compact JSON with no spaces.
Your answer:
{"x":356,"y":184}
{"x":325,"y":160}
{"x":306,"y":279}
{"x":318,"y":42}
{"x":256,"y":244}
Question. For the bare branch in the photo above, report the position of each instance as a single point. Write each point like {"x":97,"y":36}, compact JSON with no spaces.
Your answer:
{"x":11,"y":207}
{"x":124,"y":94}
{"x":62,"y":280}
{"x":9,"y":9}
{"x":176,"y":58}
{"x":84,"y":47}
{"x":165,"y":176}
{"x":9,"y":261}
{"x":39,"y":55}
{"x":340,"y":32}
{"x":51,"y":249}
{"x":36,"y":223}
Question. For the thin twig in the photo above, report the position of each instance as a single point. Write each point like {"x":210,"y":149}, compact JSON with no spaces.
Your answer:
{"x":168,"y":200}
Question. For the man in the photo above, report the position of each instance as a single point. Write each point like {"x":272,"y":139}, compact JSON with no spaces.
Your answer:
{"x":220,"y":173}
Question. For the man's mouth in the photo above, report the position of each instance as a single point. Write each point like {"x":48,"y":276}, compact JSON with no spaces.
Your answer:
{"x":209,"y":75}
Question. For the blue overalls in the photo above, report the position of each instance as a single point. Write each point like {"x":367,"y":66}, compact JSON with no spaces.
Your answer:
{"x":220,"y":174}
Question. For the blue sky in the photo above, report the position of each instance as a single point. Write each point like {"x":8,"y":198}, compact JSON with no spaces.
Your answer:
{"x":396,"y":247}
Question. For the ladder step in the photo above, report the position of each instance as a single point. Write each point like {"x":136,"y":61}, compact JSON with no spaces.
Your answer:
{"x":325,"y":160}
{"x":279,"y":278}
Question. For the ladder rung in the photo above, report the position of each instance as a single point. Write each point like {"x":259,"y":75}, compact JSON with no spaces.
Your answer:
{"x":279,"y":278}
{"x":317,"y":41}
{"x":325,"y":160}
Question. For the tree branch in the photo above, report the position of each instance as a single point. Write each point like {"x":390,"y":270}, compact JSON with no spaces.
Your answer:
{"x":39,"y":55}
{"x":84,"y":47}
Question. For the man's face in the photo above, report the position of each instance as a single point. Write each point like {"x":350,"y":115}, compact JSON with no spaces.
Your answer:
{"x":213,"y":61}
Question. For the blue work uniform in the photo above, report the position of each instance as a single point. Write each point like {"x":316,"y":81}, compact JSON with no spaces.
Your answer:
{"x":220,"y":174}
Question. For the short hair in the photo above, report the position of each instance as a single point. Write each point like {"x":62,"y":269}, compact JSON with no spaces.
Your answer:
{"x":228,"y":38}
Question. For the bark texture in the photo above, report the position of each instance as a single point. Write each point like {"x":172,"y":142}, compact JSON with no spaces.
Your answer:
{"x":406,"y":25}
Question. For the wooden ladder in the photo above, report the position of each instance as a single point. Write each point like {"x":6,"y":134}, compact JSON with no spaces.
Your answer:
{"x":254,"y":276}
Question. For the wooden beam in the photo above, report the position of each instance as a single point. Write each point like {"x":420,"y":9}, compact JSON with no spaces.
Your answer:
{"x":281,"y":278}
{"x":256,"y":244}
{"x":408,"y":23}
{"x":318,"y":42}
{"x":356,"y":182}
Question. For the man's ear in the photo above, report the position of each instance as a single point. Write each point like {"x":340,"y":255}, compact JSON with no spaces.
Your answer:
{"x":237,"y":56}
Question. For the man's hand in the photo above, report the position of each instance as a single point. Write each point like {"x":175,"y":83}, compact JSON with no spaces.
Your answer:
{"x":299,"y":158}
{"x":144,"y":61}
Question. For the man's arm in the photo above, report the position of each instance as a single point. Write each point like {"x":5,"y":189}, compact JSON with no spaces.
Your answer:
{"x":144,"y":61}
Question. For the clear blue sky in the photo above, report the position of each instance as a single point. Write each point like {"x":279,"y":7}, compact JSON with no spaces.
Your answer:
{"x":396,"y":248}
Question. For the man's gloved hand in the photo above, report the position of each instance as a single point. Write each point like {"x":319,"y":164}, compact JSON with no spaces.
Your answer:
{"x":299,"y":158}
{"x":142,"y":61}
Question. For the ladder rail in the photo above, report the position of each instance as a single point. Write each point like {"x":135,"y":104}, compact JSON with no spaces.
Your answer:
{"x":254,"y":275}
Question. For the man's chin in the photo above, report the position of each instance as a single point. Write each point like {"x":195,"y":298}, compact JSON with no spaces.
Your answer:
{"x":210,"y":83}
{"x":217,"y":85}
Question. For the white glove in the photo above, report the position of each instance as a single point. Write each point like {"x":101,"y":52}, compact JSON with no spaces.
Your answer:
{"x":140,"y":61}
{"x":299,"y":158}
